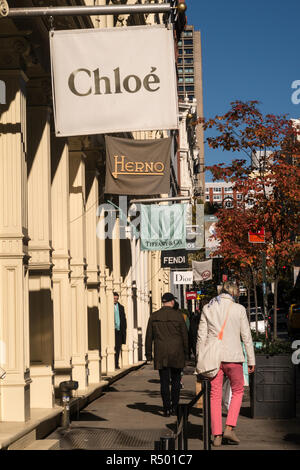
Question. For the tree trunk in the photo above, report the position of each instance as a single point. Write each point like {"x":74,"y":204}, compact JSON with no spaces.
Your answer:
{"x":275,"y":308}
{"x":248,"y":306}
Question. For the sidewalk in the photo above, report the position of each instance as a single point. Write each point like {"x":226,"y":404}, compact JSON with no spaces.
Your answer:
{"x":128,"y":417}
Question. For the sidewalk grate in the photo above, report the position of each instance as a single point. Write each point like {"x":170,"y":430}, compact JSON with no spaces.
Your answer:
{"x":99,"y":439}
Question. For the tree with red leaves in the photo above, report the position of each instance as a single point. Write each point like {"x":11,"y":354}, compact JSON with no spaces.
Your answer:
{"x":270,"y":189}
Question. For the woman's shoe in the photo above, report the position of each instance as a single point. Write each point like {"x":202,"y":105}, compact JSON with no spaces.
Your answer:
{"x":217,"y":441}
{"x":230,"y":435}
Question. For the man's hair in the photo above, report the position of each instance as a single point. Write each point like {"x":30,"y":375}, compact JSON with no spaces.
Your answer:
{"x":116,"y":294}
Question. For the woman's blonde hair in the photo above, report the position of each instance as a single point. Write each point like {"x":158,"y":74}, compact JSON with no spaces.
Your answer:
{"x":230,"y":288}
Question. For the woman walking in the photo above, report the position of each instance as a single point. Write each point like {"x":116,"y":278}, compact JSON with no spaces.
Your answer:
{"x":227,"y":321}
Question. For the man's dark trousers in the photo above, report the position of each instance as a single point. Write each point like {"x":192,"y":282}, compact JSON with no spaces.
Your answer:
{"x":173,"y":399}
{"x":118,"y":346}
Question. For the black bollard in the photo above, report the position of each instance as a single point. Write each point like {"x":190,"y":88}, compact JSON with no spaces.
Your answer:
{"x":206,"y":415}
{"x":66,"y":390}
{"x":180,"y":435}
{"x":157,"y":445}
{"x":167,"y":443}
{"x":185,"y":426}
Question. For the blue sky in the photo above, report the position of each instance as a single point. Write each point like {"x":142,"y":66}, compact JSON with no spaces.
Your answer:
{"x":250,"y":51}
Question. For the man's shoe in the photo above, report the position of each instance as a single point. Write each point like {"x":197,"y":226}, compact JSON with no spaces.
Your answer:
{"x":231,"y":436}
{"x":217,"y":441}
{"x":118,"y":367}
{"x":167,"y":413}
{"x":174,"y":410}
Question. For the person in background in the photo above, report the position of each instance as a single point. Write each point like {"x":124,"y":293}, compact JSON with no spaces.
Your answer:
{"x":120,"y":328}
{"x":186,"y":318}
{"x":224,"y":311}
{"x":167,"y":329}
{"x":194,"y":324}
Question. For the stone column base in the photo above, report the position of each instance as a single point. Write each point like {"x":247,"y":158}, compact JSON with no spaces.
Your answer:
{"x":15,"y":401}
{"x":42,"y":387}
{"x":135,"y":346}
{"x":80,"y":371}
{"x":110,"y":360}
{"x":94,"y":367}
{"x":104,"y":364}
{"x":125,"y":355}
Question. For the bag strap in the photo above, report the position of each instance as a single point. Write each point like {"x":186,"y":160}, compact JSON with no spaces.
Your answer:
{"x":220,"y":335}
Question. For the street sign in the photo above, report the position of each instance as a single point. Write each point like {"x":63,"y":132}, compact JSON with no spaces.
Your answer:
{"x":174,"y":259}
{"x":183,"y":277}
{"x":200,"y":296}
{"x":257,"y":237}
{"x":192,"y":295}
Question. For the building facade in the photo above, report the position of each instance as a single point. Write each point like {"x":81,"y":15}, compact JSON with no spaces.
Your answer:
{"x":58,"y":272}
{"x":190,"y":87}
{"x":222,"y":194}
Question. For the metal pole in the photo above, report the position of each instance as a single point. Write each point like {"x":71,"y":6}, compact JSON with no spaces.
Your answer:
{"x":162,"y":199}
{"x":167,"y":443}
{"x":185,"y":427}
{"x":66,"y":411}
{"x":180,"y":436}
{"x":206,"y":415}
{"x":263,"y":255}
{"x":89,"y":10}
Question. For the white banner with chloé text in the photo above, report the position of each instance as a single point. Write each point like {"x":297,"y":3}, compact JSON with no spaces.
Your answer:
{"x":113,"y":80}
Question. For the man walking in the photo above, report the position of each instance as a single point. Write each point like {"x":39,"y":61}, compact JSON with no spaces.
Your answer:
{"x":167,"y":329}
{"x":120,"y":328}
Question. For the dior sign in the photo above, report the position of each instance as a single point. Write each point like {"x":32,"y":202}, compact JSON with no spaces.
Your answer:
{"x":99,"y":86}
{"x":183,"y":277}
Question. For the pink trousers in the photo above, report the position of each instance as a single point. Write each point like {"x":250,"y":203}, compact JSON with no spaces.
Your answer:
{"x":234,"y":371}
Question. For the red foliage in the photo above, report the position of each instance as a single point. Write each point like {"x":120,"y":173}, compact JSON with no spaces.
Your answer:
{"x":273,"y":187}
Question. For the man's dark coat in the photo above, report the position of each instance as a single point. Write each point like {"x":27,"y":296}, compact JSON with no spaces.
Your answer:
{"x":123,"y":323}
{"x":166,"y":327}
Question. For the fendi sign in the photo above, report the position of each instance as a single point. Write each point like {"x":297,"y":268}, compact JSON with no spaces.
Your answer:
{"x":100,"y":87}
{"x":174,"y":259}
{"x":137,"y":166}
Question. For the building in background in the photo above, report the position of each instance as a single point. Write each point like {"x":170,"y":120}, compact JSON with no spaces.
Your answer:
{"x":222,"y":194}
{"x":190,"y":87}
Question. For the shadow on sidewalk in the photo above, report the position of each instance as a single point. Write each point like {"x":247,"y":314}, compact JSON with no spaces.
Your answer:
{"x":89,"y":416}
{"x":246,"y":411}
{"x":194,"y":431}
{"x":153,"y":409}
{"x":295,"y":438}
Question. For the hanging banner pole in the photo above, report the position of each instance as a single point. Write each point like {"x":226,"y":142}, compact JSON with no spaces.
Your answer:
{"x":89,"y":10}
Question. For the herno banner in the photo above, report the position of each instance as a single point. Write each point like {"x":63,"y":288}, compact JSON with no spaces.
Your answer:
{"x":113,"y":80}
{"x":137,"y":166}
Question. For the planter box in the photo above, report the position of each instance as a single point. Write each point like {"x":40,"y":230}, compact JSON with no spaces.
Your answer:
{"x":273,"y":387}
